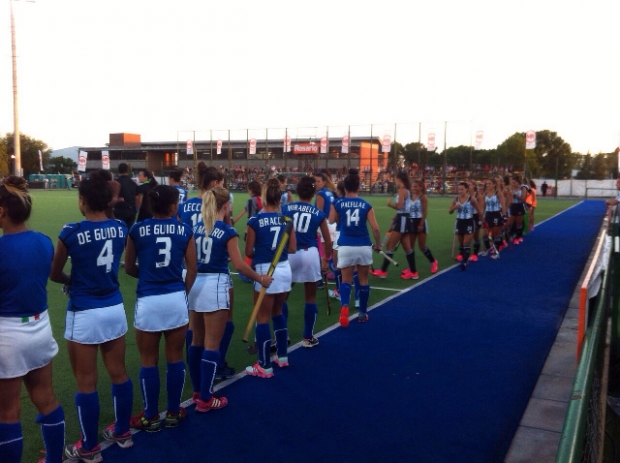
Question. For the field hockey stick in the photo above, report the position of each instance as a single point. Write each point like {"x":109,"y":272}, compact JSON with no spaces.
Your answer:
{"x":329,"y":304}
{"x":272,"y":266}
{"x":389,"y":259}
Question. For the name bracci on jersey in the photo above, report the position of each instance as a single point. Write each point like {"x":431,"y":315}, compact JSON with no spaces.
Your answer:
{"x":267,"y":221}
{"x":162,"y":229}
{"x":99,"y":234}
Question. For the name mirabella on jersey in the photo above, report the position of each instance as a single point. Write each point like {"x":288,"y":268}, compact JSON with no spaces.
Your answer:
{"x":303,"y":208}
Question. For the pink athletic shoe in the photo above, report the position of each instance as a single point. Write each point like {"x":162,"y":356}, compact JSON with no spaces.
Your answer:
{"x":434,"y":266}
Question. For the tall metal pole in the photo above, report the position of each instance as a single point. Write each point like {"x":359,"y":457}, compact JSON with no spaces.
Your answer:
{"x":445,"y":155}
{"x":16,"y":142}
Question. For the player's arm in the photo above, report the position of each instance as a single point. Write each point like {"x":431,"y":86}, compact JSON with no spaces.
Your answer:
{"x":250,"y":239}
{"x":131,"y":266}
{"x":292,"y":242}
{"x":191,"y":264}
{"x":242,"y":267}
{"x":320,"y":202}
{"x":476,"y":205}
{"x":453,"y":206}
{"x":374,"y":226}
{"x":402,"y":194}
{"x":612,"y":202}
{"x":57,"y":275}
{"x":424,"y":203}
{"x":327,"y":244}
{"x":333,"y":215}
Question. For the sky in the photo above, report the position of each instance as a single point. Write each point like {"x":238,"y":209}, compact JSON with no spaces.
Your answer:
{"x":173,"y":70}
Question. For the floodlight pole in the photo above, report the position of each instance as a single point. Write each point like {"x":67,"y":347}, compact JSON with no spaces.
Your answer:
{"x":16,"y":143}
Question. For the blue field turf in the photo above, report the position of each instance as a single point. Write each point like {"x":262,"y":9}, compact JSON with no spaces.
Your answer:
{"x":440,"y":373}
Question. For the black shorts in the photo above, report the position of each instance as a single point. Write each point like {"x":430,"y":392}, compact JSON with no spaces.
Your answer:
{"x":401,"y":224}
{"x":494,"y":219}
{"x":415,"y":223}
{"x":517,"y":209}
{"x":464,"y":227}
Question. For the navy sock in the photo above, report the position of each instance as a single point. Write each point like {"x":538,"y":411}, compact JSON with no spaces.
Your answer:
{"x":53,"y":431}
{"x":225,"y":342}
{"x":285,"y":310}
{"x":150,"y":385}
{"x":487,"y":243}
{"x":123,"y":404}
{"x":194,"y":359}
{"x":87,"y":406}
{"x":175,"y":380}
{"x":429,"y":255}
{"x":476,"y":247}
{"x":188,"y":342}
{"x":208,"y":365}
{"x":411,"y":261}
{"x":519,"y":232}
{"x":345,"y":293}
{"x":310,"y":313}
{"x":263,"y":344}
{"x":364,"y":295}
{"x":281,"y":333}
{"x":11,"y":442}
{"x":356,"y":284}
{"x":466,"y":253}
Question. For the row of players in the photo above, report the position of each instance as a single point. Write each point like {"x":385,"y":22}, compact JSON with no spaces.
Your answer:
{"x":163,"y":246}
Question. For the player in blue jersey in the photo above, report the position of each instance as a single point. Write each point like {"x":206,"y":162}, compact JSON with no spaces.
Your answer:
{"x":95,"y":318}
{"x":174,"y":179}
{"x":354,"y":245}
{"x":287,"y":196}
{"x":216,"y":242}
{"x":161,"y":244}
{"x":305,"y":263}
{"x":263,"y":236}
{"x":465,"y":206}
{"x":190,"y":213}
{"x":27,"y":345}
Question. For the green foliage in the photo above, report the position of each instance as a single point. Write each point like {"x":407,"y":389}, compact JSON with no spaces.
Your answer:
{"x":29,"y":148}
{"x":5,"y":163}
{"x":60,"y":165}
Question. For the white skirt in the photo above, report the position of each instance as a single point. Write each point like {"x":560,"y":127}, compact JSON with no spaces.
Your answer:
{"x":161,"y":313}
{"x":335,"y":241}
{"x":96,"y":326}
{"x":305,"y":265}
{"x":281,"y":278}
{"x":210,"y":292}
{"x":348,"y":256}
{"x":25,"y":345}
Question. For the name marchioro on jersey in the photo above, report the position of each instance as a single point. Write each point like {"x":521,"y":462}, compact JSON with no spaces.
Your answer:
{"x":162,"y":229}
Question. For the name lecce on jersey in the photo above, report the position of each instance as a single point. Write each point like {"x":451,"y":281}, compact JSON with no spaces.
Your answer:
{"x":268,"y":228}
{"x":212,"y":250}
{"x":306,"y":221}
{"x":189,"y":211}
{"x":160,"y":248}
{"x":95,"y":249}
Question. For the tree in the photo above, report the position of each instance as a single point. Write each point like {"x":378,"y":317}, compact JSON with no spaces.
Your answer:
{"x":5,"y":160}
{"x":554,"y":155}
{"x":29,"y":148}
{"x":60,"y":165}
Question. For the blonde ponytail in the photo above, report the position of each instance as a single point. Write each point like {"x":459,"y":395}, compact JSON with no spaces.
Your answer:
{"x":212,"y":202}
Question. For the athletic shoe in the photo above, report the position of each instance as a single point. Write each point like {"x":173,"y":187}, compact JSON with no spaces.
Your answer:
{"x":495,"y":256}
{"x":379,"y":273}
{"x":145,"y":424}
{"x":473,"y":258}
{"x":124,"y":441}
{"x":334,"y":294}
{"x":409,"y":275}
{"x":483,"y":253}
{"x":257,"y":370}
{"x":213,"y":404}
{"x":282,"y":362}
{"x":244,"y":278}
{"x":344,"y":316}
{"x":459,"y":257}
{"x":330,"y":276}
{"x":77,"y":452}
{"x":434,"y":266}
{"x":224,"y":372}
{"x":362,"y":317}
{"x":195,"y":396}
{"x":173,"y":419}
{"x":310,"y":342}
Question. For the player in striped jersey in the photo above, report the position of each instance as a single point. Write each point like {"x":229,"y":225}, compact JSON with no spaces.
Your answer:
{"x":465,"y":206}
{"x":494,"y":209}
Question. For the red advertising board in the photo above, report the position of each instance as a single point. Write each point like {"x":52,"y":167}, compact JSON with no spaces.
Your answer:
{"x":305,"y":148}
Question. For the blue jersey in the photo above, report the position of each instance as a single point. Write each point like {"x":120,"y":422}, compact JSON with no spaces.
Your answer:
{"x":189,"y":211}
{"x":182,"y":194}
{"x":328,"y":199}
{"x":212,"y":250}
{"x":25,"y":265}
{"x":353,"y":213}
{"x":268,"y":228}
{"x":306,"y":221}
{"x":95,"y":249}
{"x":160,"y":248}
